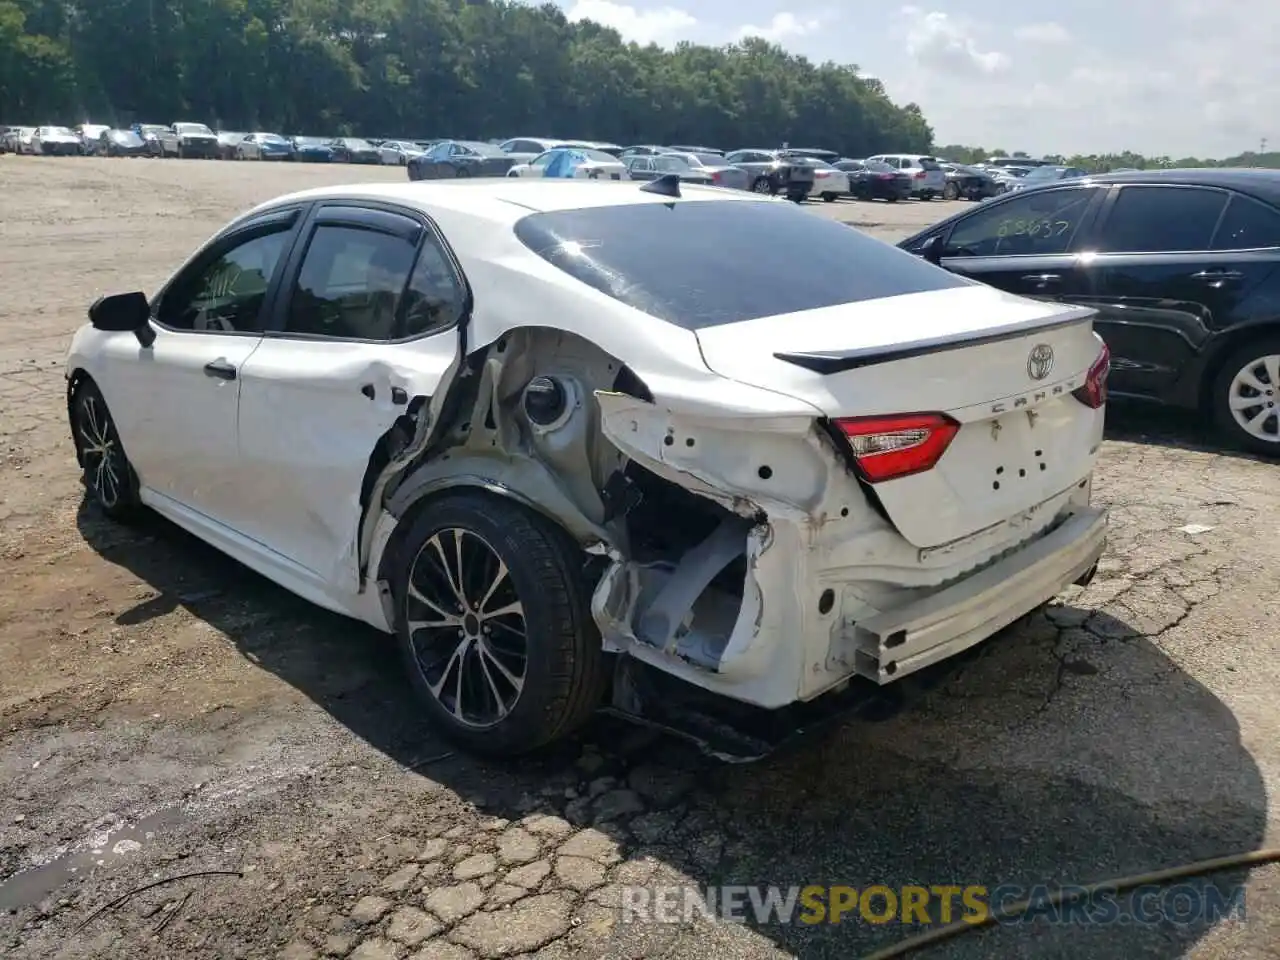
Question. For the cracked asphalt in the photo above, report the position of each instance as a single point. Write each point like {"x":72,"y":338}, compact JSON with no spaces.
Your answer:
{"x":166,"y":714}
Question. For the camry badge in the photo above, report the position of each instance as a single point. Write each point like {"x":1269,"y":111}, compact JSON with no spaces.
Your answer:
{"x":1040,"y":361}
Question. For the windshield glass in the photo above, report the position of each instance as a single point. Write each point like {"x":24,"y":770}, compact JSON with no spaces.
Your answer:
{"x":682,"y":262}
{"x":192,"y":128}
{"x":598,"y":156}
{"x":484,"y":149}
{"x":309,"y":141}
{"x":125,"y":136}
{"x":152,"y":128}
{"x":270,"y":138}
{"x":58,"y":132}
{"x":354,"y":143}
{"x":707,"y":159}
{"x":875,"y":166}
{"x":1044,"y":173}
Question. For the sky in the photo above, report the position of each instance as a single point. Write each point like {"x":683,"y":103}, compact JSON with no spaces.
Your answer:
{"x":1160,"y":77}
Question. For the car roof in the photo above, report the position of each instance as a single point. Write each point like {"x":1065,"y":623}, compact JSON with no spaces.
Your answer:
{"x":504,"y":200}
{"x":1253,"y":180}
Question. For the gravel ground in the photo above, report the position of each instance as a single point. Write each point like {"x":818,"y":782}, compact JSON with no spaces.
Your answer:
{"x":164,"y":712}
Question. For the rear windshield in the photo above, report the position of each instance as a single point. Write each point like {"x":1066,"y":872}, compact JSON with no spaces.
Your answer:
{"x":705,"y":263}
{"x":928,"y":163}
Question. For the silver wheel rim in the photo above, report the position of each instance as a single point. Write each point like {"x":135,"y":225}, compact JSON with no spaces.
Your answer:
{"x":466,"y":625}
{"x":761,"y":186}
{"x":1252,"y":398}
{"x":100,"y":452}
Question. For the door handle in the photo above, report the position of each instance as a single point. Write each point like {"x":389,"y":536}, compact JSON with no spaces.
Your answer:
{"x":1042,"y":278}
{"x":399,"y":397}
{"x":1212,"y":276}
{"x":221,"y":369}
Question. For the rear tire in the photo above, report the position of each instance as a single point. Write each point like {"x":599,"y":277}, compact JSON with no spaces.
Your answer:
{"x":950,"y":192}
{"x":463,"y":172}
{"x":1250,"y":373}
{"x":828,"y":198}
{"x":496,"y":683}
{"x":109,"y":478}
{"x":762,"y":185}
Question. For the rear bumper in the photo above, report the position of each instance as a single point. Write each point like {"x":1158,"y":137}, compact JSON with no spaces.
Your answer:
{"x":897,"y":643}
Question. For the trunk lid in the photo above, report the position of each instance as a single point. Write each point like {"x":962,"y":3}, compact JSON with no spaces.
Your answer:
{"x":966,"y":352}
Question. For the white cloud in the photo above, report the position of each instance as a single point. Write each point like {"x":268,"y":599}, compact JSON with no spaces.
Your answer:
{"x":1047,"y":33}
{"x":939,"y":42}
{"x":783,"y":26}
{"x":664,"y":26}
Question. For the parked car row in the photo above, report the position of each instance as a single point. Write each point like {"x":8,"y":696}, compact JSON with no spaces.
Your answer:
{"x":796,"y":173}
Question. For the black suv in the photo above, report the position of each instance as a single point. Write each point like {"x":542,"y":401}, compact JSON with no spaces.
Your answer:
{"x":1181,"y":266}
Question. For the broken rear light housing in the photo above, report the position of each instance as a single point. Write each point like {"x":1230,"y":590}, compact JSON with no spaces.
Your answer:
{"x":1093,"y":393}
{"x":890,"y":447}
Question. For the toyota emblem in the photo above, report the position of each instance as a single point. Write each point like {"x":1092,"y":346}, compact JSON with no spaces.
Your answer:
{"x":1040,"y":361}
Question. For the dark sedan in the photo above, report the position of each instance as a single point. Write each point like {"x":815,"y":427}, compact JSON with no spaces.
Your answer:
{"x":121,"y":143}
{"x":451,"y":159}
{"x":873,"y":180}
{"x":310,"y":150}
{"x":1183,"y":267}
{"x":354,"y":150}
{"x":968,"y":183}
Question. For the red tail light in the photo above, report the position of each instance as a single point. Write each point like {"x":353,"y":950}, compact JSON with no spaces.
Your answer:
{"x":921,"y":175}
{"x":715,"y":176}
{"x":1094,"y":392}
{"x":884,"y":176}
{"x":886,"y":448}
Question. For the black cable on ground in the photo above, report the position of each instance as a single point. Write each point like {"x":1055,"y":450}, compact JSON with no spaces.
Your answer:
{"x":930,"y":937}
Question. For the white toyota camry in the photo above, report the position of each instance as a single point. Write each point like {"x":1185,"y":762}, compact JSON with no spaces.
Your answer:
{"x":580,"y":446}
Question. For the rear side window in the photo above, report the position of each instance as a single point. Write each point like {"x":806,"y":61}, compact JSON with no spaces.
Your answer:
{"x":1161,"y":220}
{"x":704,"y":263}
{"x":1247,"y":225}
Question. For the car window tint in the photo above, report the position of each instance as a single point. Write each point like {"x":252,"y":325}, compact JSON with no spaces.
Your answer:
{"x":1036,"y":223}
{"x":435,"y":298}
{"x":1248,"y":225}
{"x":225,"y":293}
{"x":1161,"y":220}
{"x":683,"y":262}
{"x":350,"y":284}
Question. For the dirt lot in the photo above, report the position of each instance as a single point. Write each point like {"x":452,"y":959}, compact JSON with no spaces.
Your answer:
{"x":164,"y":712}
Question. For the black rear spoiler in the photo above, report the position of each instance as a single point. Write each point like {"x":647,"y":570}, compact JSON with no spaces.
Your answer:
{"x":827,"y":363}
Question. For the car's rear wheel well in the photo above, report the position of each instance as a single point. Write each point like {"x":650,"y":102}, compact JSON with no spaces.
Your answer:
{"x":391,"y":554}
{"x":1230,"y":344}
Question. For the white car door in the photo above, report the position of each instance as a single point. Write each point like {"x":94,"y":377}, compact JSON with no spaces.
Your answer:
{"x":364,"y":331}
{"x":175,"y":402}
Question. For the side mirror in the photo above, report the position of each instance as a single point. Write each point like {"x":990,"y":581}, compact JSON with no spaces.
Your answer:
{"x":124,"y":312}
{"x":932,"y":250}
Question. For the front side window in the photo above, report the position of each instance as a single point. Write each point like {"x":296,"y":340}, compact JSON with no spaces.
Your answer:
{"x":350,"y":284}
{"x":1247,"y":225}
{"x":1036,"y":223}
{"x":1148,"y":219}
{"x":226,"y":291}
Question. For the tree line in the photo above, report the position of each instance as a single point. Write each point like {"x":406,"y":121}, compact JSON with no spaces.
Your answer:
{"x":425,"y":68}
{"x":1106,"y":162}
